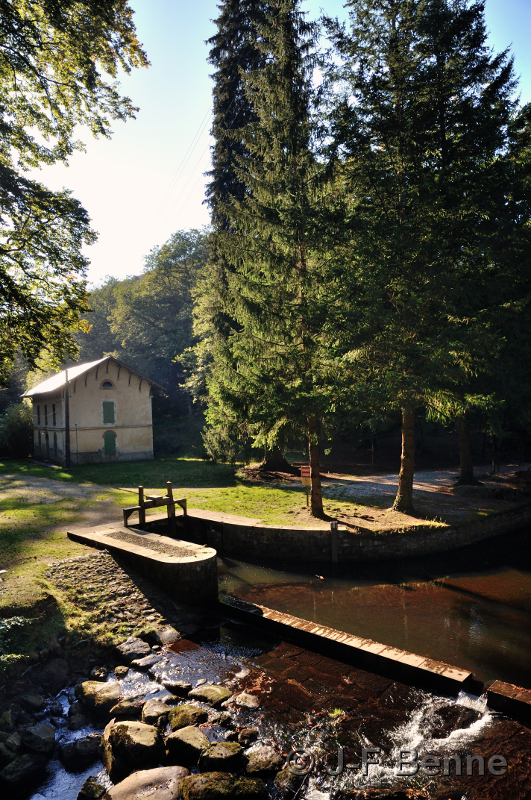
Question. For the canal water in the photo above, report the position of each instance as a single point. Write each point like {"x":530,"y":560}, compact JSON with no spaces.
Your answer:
{"x":470,"y":608}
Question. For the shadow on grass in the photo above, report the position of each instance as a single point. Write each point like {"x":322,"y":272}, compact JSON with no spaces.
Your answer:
{"x":182,"y":472}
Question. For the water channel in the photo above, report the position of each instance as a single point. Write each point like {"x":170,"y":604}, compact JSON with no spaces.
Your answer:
{"x":470,"y":608}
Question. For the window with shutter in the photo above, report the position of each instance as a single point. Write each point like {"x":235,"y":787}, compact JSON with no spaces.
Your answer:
{"x":108,"y":412}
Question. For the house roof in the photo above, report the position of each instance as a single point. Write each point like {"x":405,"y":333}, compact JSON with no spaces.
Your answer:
{"x":56,"y":381}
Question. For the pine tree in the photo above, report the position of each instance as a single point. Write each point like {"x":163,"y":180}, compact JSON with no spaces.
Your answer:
{"x":273,"y":371}
{"x":424,"y":131}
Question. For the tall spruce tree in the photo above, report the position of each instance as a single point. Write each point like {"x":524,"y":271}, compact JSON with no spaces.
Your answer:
{"x":273,"y":370}
{"x":424,"y":129}
{"x":233,"y":53}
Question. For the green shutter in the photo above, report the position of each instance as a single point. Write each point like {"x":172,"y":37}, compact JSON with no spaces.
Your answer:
{"x":109,"y":443}
{"x":108,"y":412}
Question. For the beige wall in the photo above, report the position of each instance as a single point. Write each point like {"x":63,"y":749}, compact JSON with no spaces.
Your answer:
{"x":132,"y":418}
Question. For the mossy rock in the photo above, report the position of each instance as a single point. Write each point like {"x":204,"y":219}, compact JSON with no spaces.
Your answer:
{"x":222,"y":757}
{"x":211,"y":694}
{"x":221,"y":786}
{"x":182,"y":716}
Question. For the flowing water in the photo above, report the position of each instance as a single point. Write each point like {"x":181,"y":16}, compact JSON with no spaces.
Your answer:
{"x":470,"y":608}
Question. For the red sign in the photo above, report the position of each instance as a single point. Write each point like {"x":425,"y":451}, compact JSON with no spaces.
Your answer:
{"x":306,"y":472}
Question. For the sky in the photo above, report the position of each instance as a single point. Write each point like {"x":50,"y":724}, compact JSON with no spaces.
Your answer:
{"x":148,"y":180}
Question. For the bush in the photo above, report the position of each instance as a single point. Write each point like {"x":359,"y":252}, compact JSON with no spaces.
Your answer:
{"x":16,"y":431}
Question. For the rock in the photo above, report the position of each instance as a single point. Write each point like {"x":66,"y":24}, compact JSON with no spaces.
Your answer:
{"x":98,"y":696}
{"x":213,"y":695}
{"x":52,"y":676}
{"x":247,"y":735}
{"x":77,"y":722}
{"x":22,"y":774}
{"x":121,"y":672}
{"x":454,"y":717}
{"x":131,"y":708}
{"x":99,"y":673}
{"x":223,"y":718}
{"x":129,"y":746}
{"x":81,"y":753}
{"x":91,"y":790}
{"x":56,"y":709}
{"x":179,"y":688}
{"x":59,"y":722}
{"x":40,"y":738}
{"x":133,"y":648}
{"x":263,"y":760}
{"x":6,"y":721}
{"x":156,"y":784}
{"x":167,"y":635}
{"x":246,"y":700}
{"x":287,"y":783}
{"x":231,"y":736}
{"x":221,"y":757}
{"x":185,"y":746}
{"x":144,"y":664}
{"x":6,"y":755}
{"x":220,"y":786}
{"x":154,"y":712}
{"x":14,"y":742}
{"x":200,"y":682}
{"x":185,"y":715}
{"x":33,"y":702}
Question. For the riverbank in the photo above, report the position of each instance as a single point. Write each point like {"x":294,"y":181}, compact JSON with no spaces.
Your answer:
{"x":276,"y":697}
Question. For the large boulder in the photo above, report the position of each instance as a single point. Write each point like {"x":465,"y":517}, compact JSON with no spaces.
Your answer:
{"x":182,"y":716}
{"x":40,"y":738}
{"x":133,"y":648}
{"x":221,"y":757}
{"x":221,"y":786}
{"x":24,"y":772}
{"x":156,"y":784}
{"x":154,"y":712}
{"x":130,"y":746}
{"x":263,"y":760}
{"x":81,"y":753}
{"x":99,"y":696}
{"x":211,"y":694}
{"x":185,"y":745}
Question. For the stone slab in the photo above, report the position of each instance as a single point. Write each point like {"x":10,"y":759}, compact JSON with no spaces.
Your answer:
{"x":510,"y":699}
{"x":187,"y":571}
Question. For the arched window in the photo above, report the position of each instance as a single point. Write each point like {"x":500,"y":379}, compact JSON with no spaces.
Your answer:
{"x":107,"y":385}
{"x":109,"y":443}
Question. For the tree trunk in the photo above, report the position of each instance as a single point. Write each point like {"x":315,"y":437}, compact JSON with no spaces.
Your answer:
{"x":466,"y":477}
{"x":404,"y":497}
{"x":274,"y":461}
{"x":313,"y":446}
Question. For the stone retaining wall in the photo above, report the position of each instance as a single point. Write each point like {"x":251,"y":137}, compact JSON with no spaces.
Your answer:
{"x":312,"y":544}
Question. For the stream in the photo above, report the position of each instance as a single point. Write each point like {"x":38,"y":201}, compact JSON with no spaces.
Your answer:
{"x":470,"y":608}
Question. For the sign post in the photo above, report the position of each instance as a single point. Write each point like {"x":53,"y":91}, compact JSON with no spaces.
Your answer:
{"x":306,"y":478}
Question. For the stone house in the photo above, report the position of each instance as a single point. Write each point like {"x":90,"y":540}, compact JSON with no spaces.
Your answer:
{"x":93,"y":413}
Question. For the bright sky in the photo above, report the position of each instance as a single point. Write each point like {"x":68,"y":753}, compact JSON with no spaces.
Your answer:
{"x":148,"y":180}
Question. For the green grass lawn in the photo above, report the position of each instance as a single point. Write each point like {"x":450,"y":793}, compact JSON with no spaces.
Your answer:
{"x":182,"y":472}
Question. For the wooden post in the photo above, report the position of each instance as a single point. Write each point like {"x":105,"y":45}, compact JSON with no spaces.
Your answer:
{"x":172,"y":523}
{"x":141,"y":510}
{"x":333,"y":541}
